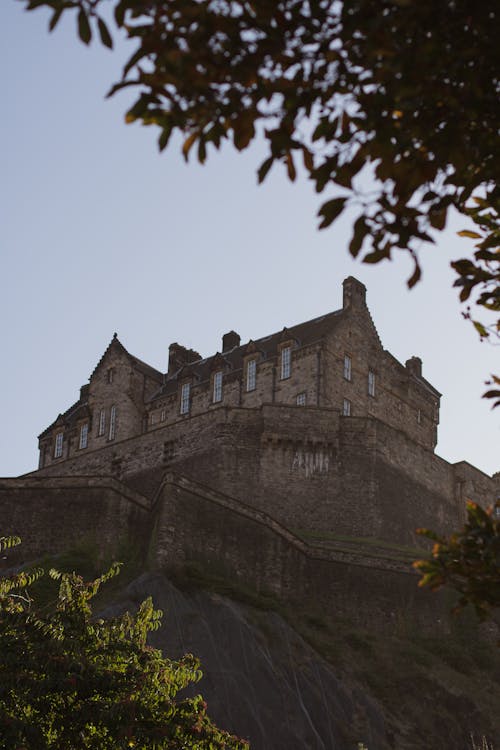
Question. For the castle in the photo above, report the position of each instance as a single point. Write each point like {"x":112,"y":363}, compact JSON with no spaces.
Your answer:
{"x":277,"y":459}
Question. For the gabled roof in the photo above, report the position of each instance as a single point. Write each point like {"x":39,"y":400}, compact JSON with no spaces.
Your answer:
{"x":76,"y":411}
{"x":267,"y":346}
{"x":137,"y":363}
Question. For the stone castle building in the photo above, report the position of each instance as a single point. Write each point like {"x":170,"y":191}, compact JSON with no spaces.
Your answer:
{"x":317,"y":425}
{"x":300,"y":463}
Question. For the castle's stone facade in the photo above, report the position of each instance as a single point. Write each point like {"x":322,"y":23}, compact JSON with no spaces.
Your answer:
{"x":316,"y":425}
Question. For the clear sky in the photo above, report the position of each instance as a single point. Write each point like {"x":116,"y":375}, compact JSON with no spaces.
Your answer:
{"x":99,"y":233}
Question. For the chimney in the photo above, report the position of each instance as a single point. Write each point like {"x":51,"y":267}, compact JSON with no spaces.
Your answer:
{"x":414,"y":366}
{"x":84,"y":392}
{"x":230,"y":340}
{"x":354,"y":293}
{"x":178,"y":356}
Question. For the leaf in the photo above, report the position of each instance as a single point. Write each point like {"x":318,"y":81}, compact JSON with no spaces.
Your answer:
{"x":104,"y":34}
{"x":290,"y":166}
{"x":164,"y":137}
{"x":84,"y":30}
{"x":55,"y":19}
{"x":308,"y":159}
{"x":359,"y":233}
{"x":468,"y":233}
{"x":202,"y":151}
{"x":120,"y":13}
{"x":330,"y":210}
{"x":186,"y":146}
{"x":264,"y":169}
{"x":438,"y":218}
{"x":415,"y":277}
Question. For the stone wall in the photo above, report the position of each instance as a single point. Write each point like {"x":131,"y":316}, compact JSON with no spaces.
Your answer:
{"x":308,"y":467}
{"x":52,"y":515}
{"x":191,"y":523}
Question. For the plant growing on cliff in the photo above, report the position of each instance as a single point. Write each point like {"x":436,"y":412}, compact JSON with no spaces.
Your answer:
{"x":467,"y":561}
{"x":70,"y":680}
{"x":403,"y":93}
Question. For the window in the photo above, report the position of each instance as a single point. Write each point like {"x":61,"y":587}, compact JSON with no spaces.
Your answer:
{"x":162,"y":415}
{"x":185,"y":396}
{"x":102,"y":422}
{"x":286,"y":362}
{"x":346,"y":408}
{"x":371,"y":383}
{"x":347,"y":367}
{"x":301,"y":399}
{"x":251,"y":374}
{"x":217,"y":392}
{"x":110,"y":374}
{"x":419,"y":416}
{"x":112,"y":423}
{"x":152,"y":418}
{"x":84,"y":435}
{"x":58,"y":446}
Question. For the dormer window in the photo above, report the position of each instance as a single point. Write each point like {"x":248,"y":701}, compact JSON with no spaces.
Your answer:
{"x":84,"y":435}
{"x":251,"y":375}
{"x":286,"y":362}
{"x":347,"y":367}
{"x":217,"y":387}
{"x":346,"y":408}
{"x":185,"y":398}
{"x":301,"y":399}
{"x":58,"y":445}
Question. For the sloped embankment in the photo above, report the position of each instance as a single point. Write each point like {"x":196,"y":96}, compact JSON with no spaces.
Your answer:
{"x":290,"y":681}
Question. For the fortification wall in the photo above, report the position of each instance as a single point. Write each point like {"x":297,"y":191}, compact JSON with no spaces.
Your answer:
{"x":308,"y":467}
{"x":192,"y":523}
{"x":55,"y":514}
{"x":197,"y":525}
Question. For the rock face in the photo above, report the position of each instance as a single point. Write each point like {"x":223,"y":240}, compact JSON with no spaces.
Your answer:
{"x":261,"y":680}
{"x":264,"y":682}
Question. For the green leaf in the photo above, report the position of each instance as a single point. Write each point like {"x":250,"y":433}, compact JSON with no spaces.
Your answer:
{"x":104,"y":34}
{"x":330,"y":210}
{"x":84,"y":30}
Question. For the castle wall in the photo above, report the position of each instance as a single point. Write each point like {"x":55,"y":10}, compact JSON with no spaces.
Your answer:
{"x":197,"y":525}
{"x":309,"y":468}
{"x":52,"y":515}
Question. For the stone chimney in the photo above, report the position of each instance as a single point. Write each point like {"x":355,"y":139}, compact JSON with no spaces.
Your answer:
{"x":414,"y":365}
{"x":354,"y":293}
{"x":84,"y":392}
{"x":230,"y":340}
{"x":178,"y":356}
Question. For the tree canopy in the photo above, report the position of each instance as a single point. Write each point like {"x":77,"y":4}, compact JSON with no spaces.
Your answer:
{"x":71,"y":680}
{"x":393,"y":105}
{"x":468,"y":561}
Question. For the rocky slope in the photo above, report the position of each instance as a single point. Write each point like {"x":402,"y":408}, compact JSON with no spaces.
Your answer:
{"x":297,"y":683}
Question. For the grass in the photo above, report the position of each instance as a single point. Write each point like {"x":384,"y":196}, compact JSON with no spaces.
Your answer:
{"x":369,"y":543}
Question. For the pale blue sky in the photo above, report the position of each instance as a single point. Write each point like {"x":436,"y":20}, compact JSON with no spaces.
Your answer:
{"x":99,"y":233}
